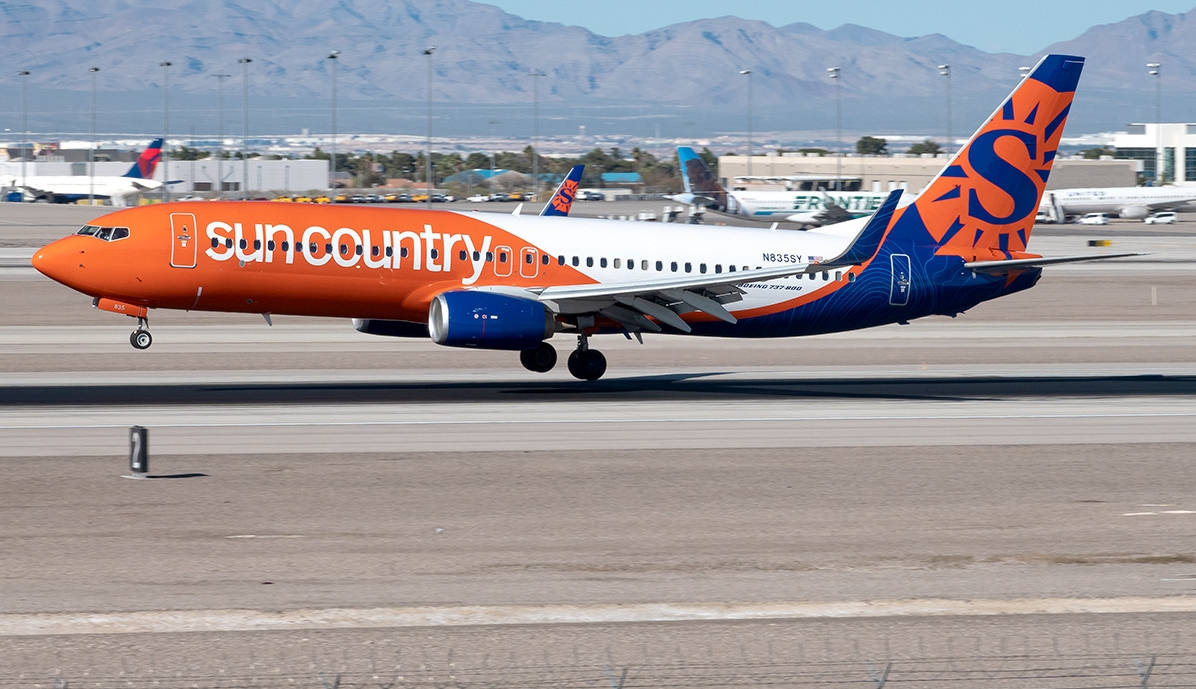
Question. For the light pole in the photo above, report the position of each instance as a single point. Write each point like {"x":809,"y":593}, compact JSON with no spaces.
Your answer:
{"x":536,"y":131}
{"x":1152,"y":68}
{"x":493,"y":153}
{"x":24,"y":74}
{"x":428,"y":154}
{"x":91,"y":150}
{"x":165,"y":65}
{"x":244,"y":139}
{"x":748,"y":73}
{"x":332,"y":56}
{"x":833,"y":73}
{"x":945,"y":71}
{"x":220,"y":134}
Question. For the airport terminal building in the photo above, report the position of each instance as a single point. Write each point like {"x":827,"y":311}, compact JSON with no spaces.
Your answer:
{"x":899,"y":171}
{"x":1141,"y":141}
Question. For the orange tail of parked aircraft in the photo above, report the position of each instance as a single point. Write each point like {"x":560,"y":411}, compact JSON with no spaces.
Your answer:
{"x":510,"y":282}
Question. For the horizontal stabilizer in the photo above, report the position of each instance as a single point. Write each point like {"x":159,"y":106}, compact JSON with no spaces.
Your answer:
{"x":1014,"y":264}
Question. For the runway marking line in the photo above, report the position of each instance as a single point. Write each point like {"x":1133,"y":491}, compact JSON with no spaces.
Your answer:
{"x":233,"y":620}
{"x":541,"y":421}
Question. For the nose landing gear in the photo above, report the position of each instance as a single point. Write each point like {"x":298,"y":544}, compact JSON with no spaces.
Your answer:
{"x":586,"y":363}
{"x":141,"y":338}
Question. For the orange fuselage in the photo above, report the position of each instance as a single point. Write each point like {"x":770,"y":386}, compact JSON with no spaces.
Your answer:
{"x":303,"y":259}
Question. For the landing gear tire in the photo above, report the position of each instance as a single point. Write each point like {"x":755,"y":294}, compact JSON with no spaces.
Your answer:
{"x":540,"y":358}
{"x":141,"y":339}
{"x":587,"y":364}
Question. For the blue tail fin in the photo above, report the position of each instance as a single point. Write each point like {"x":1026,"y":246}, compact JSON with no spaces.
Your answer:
{"x":562,"y":199}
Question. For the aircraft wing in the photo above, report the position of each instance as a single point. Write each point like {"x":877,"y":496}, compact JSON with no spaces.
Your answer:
{"x":1014,"y":264}
{"x":630,"y":303}
{"x":1164,"y":205}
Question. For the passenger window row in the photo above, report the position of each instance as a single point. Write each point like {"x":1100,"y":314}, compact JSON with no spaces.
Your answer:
{"x":644,"y":264}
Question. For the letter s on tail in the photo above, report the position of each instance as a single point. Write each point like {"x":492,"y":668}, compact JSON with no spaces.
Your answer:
{"x":982,"y":205}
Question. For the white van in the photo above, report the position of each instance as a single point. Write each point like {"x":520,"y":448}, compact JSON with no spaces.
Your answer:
{"x":1093,"y":219}
{"x":1160,"y":218}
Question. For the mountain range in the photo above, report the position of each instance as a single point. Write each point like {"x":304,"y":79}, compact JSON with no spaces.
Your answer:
{"x":683,"y":79}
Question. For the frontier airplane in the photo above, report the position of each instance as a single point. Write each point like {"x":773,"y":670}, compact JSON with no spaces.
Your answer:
{"x":510,"y":282}
{"x":810,"y":208}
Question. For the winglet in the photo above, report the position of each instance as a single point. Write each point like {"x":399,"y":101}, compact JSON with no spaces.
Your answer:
{"x":562,"y":199}
{"x":868,"y":241}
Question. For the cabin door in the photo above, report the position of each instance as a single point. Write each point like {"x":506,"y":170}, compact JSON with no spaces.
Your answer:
{"x":185,"y":242}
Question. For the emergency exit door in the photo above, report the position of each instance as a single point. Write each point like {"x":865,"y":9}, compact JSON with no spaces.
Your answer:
{"x":185,"y":242}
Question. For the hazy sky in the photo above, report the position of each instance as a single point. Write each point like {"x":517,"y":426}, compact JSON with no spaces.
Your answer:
{"x":1022,"y":27}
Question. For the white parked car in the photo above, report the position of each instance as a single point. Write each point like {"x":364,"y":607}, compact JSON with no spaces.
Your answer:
{"x":478,"y":198}
{"x":1160,"y":218}
{"x":1093,"y":219}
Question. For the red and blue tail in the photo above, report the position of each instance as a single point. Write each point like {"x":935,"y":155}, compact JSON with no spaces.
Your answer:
{"x":982,"y":205}
{"x":147,"y":162}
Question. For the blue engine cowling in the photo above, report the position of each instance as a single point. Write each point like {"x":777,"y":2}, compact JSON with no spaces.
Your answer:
{"x":488,"y":321}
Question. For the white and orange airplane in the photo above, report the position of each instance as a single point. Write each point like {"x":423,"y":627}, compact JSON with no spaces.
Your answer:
{"x":510,"y":282}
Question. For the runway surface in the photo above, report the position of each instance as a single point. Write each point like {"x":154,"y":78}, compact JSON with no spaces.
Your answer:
{"x":1015,"y":485}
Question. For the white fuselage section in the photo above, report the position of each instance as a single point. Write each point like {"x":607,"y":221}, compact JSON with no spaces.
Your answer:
{"x":765,"y":204}
{"x":106,"y":186}
{"x":647,"y":251}
{"x":1119,"y":199}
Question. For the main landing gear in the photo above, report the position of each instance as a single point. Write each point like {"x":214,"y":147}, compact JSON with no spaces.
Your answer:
{"x":141,"y":338}
{"x":540,"y":358}
{"x":584,"y":363}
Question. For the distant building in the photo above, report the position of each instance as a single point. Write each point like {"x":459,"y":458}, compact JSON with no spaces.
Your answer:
{"x":474,"y":177}
{"x":885,"y":173}
{"x":632,"y":181}
{"x":1178,"y":141}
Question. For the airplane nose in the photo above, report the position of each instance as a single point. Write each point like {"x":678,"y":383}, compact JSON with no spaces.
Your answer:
{"x":53,"y":260}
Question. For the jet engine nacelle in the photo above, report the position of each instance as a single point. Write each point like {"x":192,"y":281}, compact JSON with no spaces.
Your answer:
{"x":488,"y":321}
{"x":1136,"y":212}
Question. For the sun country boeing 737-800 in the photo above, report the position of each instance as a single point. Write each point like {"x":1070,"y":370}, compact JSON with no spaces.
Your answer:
{"x":509,"y":282}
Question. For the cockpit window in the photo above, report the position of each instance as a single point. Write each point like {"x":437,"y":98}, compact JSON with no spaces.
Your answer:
{"x":107,"y":234}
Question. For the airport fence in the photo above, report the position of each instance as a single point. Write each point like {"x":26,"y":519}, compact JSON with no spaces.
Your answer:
{"x":375,"y":663}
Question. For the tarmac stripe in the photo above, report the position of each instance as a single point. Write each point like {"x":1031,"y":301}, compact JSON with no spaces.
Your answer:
{"x":178,"y":621}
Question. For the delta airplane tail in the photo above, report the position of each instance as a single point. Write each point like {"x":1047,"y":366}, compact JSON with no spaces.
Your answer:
{"x":147,"y":162}
{"x":562,"y":199}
